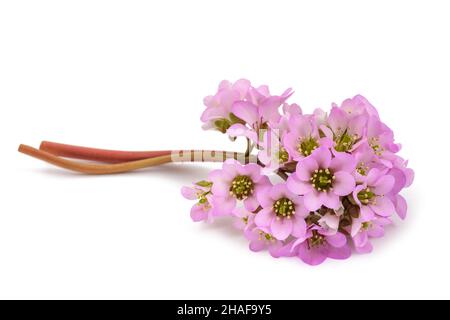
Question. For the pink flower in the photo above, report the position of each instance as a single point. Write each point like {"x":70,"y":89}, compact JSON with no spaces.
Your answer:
{"x":200,"y":191}
{"x":236,"y":182}
{"x":316,"y":246}
{"x":243,"y":218}
{"x":347,"y":130}
{"x":218,"y":107}
{"x":282,"y":212}
{"x":258,"y":112}
{"x":362,"y":231}
{"x":261,"y":239}
{"x":303,"y":137}
{"x":322,"y":179}
{"x":370,"y":196}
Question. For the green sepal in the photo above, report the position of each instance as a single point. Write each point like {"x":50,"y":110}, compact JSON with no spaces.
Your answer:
{"x":222,"y":124}
{"x":204,"y":183}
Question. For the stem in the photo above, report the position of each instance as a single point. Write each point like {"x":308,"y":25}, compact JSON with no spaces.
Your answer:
{"x":249,"y":147}
{"x":174,"y":156}
{"x":102,"y":155}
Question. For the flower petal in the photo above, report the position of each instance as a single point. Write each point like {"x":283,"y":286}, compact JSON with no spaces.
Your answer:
{"x":323,"y":157}
{"x":312,"y":201}
{"x":401,"y":206}
{"x":245,"y":110}
{"x":343,"y":184}
{"x":383,"y":185}
{"x":340,"y":253}
{"x":330,"y":200}
{"x":337,"y":240}
{"x":299,"y":227}
{"x":297,"y":186}
{"x":264,"y":217}
{"x":306,"y":167}
{"x":383,"y":207}
{"x":189,"y":193}
{"x":313,"y":256}
{"x":343,"y":162}
{"x":281,"y":228}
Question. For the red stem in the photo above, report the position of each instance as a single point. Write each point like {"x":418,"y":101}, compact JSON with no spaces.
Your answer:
{"x":102,"y":155}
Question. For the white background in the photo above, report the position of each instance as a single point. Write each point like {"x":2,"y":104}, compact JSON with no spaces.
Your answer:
{"x":132,"y":75}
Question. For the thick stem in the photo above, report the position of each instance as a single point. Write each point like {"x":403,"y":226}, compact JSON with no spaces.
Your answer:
{"x":174,"y":156}
{"x":94,"y":154}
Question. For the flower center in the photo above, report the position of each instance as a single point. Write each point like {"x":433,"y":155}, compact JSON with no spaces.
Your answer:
{"x":307,"y":146}
{"x":366,"y":226}
{"x":374,"y":142}
{"x":362,"y":169}
{"x":241,"y":187}
{"x":322,"y":179}
{"x":316,"y":240}
{"x":366,"y":196}
{"x":283,"y":155}
{"x":284,"y":208}
{"x":345,"y":142}
{"x":266,"y":236}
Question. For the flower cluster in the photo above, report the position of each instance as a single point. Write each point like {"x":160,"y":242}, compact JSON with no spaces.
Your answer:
{"x":335,"y":177}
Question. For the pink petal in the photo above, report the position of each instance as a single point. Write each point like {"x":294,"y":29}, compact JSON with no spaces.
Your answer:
{"x":264,"y":217}
{"x":278,"y":191}
{"x":198,"y":213}
{"x":237,"y":130}
{"x":223,"y":205}
{"x":312,"y":200}
{"x":323,"y":157}
{"x":281,"y":228}
{"x":343,"y":184}
{"x":401,"y":206}
{"x":251,"y":203}
{"x":337,"y":240}
{"x":366,"y":213}
{"x":383,"y":185}
{"x":262,"y":195}
{"x":360,"y":239}
{"x":330,"y":200}
{"x":341,"y":253}
{"x":189,"y":193}
{"x":343,"y":162}
{"x":245,"y":110}
{"x":257,"y":245}
{"x":298,"y":186}
{"x":313,"y":256}
{"x":298,"y":227}
{"x":383,"y":207}
{"x":305,"y":168}
{"x":367,"y":248}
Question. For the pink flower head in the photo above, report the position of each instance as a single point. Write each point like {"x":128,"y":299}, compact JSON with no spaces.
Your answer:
{"x":381,"y":138}
{"x":218,"y":107}
{"x":200,"y":191}
{"x":261,"y":239}
{"x":303,"y":137}
{"x":347,"y":130}
{"x":258,"y":113}
{"x":316,"y":246}
{"x":370,"y":196}
{"x":243,"y":218}
{"x":236,"y":182}
{"x":362,"y":231}
{"x":282,"y":212}
{"x":322,"y":179}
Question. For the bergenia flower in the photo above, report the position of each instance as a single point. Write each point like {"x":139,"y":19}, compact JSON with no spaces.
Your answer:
{"x":322,"y":178}
{"x":341,"y":170}
{"x":236,"y":182}
{"x":362,"y":231}
{"x":303,"y":137}
{"x":317,"y":245}
{"x":371,"y":195}
{"x":218,"y":114}
{"x":200,"y":191}
{"x":258,"y":113}
{"x":282,"y":212}
{"x":261,"y":239}
{"x":346,"y":130}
